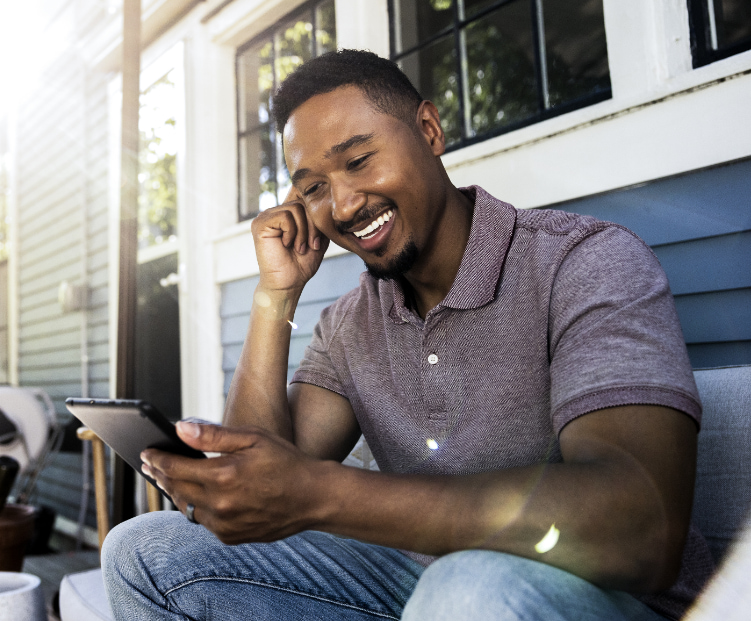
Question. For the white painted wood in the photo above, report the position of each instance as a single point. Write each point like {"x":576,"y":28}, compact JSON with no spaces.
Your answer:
{"x":691,"y":130}
{"x":209,"y":204}
{"x":648,"y":42}
{"x":363,"y":24}
{"x":241,"y":20}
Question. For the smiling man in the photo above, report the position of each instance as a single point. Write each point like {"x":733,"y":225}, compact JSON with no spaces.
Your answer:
{"x":520,"y":377}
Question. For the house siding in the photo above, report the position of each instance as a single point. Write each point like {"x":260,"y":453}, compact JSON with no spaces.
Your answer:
{"x":699,"y":226}
{"x":334,"y":278}
{"x":62,"y":171}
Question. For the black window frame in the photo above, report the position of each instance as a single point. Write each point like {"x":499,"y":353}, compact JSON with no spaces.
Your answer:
{"x":307,"y":8}
{"x":544,"y":111}
{"x":701,"y":25}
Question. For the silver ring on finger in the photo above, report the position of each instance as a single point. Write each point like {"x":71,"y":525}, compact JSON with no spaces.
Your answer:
{"x":190,"y":511}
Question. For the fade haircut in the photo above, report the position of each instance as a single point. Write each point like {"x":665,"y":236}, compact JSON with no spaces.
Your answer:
{"x":380,"y":80}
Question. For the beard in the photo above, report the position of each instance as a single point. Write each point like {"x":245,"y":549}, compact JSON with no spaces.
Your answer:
{"x":400,"y":264}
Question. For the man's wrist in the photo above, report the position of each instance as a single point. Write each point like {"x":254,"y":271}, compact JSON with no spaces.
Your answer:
{"x":324,"y":504}
{"x":276,"y":303}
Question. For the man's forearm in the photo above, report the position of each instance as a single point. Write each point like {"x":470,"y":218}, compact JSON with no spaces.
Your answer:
{"x":617,"y":509}
{"x":538,"y":512}
{"x":258,"y":392}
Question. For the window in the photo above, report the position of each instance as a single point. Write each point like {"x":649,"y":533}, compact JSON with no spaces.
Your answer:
{"x":491,"y":66}
{"x":261,"y":66}
{"x":157,"y":172}
{"x":719,"y":28}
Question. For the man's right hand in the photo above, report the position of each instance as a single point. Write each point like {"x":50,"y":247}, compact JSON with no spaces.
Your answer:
{"x":289,"y":248}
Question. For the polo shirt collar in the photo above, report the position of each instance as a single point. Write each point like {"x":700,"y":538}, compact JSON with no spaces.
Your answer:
{"x":475,"y":284}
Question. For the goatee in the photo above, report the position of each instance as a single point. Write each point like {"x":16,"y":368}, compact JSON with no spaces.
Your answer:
{"x":400,"y":264}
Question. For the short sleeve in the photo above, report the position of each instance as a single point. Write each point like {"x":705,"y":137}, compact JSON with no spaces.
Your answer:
{"x":316,"y":366}
{"x":615,"y":338}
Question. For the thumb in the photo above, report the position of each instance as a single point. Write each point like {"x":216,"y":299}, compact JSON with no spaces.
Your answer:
{"x":213,"y":438}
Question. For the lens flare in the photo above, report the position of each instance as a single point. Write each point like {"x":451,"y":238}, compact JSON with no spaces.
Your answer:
{"x":293,"y":324}
{"x":262,"y":299}
{"x":432,"y":444}
{"x":548,"y":542}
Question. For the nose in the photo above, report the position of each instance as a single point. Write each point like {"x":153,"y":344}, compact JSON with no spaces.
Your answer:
{"x":346,"y":200}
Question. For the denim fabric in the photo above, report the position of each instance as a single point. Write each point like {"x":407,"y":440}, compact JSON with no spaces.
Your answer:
{"x":160,"y":566}
{"x":479,"y":585}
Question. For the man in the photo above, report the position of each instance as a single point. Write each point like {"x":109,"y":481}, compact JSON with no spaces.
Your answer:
{"x":520,"y":377}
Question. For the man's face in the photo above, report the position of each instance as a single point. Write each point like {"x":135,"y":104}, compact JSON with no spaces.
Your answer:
{"x":369,"y":182}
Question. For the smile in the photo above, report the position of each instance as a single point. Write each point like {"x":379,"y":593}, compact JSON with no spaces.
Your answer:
{"x":372,"y":229}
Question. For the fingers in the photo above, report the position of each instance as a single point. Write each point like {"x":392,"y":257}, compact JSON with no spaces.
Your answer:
{"x":314,"y":238}
{"x":287,"y":221}
{"x":166,"y":468}
{"x":216,"y":438}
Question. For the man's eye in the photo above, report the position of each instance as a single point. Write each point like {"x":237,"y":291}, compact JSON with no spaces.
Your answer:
{"x":357,"y":162}
{"x":311,"y":190}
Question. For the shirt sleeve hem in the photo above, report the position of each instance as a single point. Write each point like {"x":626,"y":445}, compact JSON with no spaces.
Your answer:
{"x":626,"y":395}
{"x":318,"y":379}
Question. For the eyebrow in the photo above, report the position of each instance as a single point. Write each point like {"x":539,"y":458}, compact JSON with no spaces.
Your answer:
{"x":337,"y":149}
{"x":354,"y":141}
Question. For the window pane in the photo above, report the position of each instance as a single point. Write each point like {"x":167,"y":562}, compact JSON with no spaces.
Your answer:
{"x":326,"y":32}
{"x":294,"y":46}
{"x":473,"y":7}
{"x":433,"y":71}
{"x":421,"y":19}
{"x":501,"y":69}
{"x":255,"y":83}
{"x":733,"y":18}
{"x":576,"y":51}
{"x":157,"y":175}
{"x":257,"y":184}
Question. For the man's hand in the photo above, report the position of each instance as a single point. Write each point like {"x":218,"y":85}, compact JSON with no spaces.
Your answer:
{"x":288,"y":246}
{"x":258,"y":489}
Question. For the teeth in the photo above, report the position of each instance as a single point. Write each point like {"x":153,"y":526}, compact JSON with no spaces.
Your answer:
{"x":376,"y":224}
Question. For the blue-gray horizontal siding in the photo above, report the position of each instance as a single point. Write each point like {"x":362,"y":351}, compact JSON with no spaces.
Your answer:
{"x":334,"y":278}
{"x":699,"y":226}
{"x":63,"y":135}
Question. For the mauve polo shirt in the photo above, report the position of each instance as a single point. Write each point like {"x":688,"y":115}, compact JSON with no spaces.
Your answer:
{"x":551,"y":315}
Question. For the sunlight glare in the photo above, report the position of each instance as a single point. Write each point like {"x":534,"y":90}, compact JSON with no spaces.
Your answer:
{"x":27,"y":42}
{"x":548,"y":542}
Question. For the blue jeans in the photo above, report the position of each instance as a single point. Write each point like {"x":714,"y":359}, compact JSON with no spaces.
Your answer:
{"x":160,"y":566}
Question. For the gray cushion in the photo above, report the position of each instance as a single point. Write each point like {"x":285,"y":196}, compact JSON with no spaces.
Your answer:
{"x":723,"y":475}
{"x":82,"y":597}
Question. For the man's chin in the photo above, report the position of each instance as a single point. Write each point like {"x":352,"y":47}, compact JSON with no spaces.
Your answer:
{"x":397,"y":266}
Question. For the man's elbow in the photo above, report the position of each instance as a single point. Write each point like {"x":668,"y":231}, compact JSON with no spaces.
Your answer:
{"x":654,"y":561}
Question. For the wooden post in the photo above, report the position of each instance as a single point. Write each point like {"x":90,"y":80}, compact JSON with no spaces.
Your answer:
{"x":123,"y":486}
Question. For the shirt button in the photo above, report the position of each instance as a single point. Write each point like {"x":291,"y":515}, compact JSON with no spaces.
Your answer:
{"x":433,"y":359}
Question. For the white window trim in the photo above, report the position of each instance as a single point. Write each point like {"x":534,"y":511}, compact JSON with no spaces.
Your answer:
{"x":684,"y":118}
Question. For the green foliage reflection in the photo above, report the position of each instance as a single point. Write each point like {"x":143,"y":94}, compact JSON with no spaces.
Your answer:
{"x":157,"y":177}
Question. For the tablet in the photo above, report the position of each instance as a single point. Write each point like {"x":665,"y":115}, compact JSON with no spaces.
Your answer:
{"x":130,"y":426}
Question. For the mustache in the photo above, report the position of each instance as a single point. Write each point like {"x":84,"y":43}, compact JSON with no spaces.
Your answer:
{"x":366,"y":214}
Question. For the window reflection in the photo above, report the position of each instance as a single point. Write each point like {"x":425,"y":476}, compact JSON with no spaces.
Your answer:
{"x":493,"y":65}
{"x":261,"y":66}
{"x":157,"y":176}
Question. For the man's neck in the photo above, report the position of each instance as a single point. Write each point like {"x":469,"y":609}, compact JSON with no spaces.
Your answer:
{"x":431,"y":279}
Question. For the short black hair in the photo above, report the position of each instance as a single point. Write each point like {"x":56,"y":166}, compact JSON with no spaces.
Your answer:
{"x":380,"y":79}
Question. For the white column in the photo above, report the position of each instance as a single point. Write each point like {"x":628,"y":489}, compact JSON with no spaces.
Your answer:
{"x":363,"y":25}
{"x":208,"y":205}
{"x":648,"y":43}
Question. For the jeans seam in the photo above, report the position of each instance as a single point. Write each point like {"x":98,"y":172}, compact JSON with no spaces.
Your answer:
{"x":280,"y":588}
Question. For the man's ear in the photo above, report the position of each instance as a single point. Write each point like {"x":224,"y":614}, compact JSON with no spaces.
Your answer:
{"x":429,"y":122}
